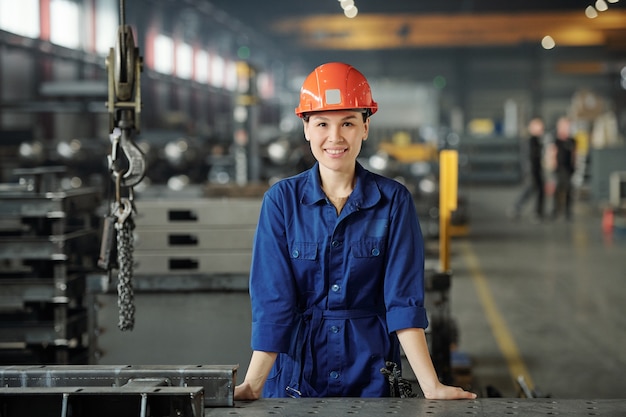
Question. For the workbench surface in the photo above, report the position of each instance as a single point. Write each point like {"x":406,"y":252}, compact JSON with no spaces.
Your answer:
{"x":413,"y":407}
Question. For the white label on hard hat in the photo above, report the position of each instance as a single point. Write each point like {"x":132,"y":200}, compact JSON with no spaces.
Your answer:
{"x":333,"y":96}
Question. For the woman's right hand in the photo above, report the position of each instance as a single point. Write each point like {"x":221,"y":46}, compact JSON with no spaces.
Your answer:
{"x":252,"y":386}
{"x":244,"y":392}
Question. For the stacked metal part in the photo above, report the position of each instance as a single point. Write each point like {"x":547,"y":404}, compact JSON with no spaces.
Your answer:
{"x":48,"y":238}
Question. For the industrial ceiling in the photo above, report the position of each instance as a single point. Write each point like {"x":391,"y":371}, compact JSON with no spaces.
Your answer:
{"x":487,"y":51}
{"x":387,"y":31}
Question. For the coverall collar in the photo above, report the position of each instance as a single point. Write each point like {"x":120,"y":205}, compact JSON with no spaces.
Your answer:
{"x":365,"y":194}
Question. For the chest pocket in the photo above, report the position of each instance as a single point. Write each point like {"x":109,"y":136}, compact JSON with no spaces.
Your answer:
{"x":305,"y":251}
{"x":367,"y":263}
{"x":368,"y":249}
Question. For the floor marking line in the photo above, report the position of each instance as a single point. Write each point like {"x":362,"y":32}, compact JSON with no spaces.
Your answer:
{"x":499,"y":328}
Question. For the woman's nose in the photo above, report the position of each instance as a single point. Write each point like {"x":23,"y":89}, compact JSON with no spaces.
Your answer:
{"x":335,"y":134}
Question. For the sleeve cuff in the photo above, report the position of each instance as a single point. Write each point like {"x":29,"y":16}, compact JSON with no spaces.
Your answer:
{"x":406,"y":318}
{"x":271,"y":337}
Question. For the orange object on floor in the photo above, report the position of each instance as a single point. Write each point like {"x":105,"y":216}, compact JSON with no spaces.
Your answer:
{"x":607,"y":220}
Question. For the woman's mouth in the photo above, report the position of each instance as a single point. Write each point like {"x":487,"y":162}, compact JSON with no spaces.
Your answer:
{"x":335,"y":151}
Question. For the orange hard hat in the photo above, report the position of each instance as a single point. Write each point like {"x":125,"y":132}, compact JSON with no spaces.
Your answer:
{"x":335,"y":86}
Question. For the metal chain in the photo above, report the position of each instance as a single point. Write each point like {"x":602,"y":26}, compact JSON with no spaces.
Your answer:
{"x":398,"y":386}
{"x":125,"y":295}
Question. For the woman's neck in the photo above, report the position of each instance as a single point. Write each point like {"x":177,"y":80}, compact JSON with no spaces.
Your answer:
{"x":337,"y":184}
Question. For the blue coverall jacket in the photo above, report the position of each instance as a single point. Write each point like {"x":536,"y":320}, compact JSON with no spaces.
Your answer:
{"x":328,"y":292}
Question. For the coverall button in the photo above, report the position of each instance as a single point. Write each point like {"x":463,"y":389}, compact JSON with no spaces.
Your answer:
{"x":334,"y":329}
{"x":375,"y":252}
{"x":335,"y":243}
{"x":295,"y":253}
{"x":335,"y":287}
{"x":334,"y":374}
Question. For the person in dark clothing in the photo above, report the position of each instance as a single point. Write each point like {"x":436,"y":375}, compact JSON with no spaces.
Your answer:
{"x":534,"y":181}
{"x":565,"y":164}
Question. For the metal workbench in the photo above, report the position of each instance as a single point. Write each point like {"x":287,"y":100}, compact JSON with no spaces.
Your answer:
{"x":208,"y":391}
{"x":413,"y":407}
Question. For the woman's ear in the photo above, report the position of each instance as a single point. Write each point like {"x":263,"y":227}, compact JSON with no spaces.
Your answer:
{"x":304,"y":126}
{"x":366,"y":128}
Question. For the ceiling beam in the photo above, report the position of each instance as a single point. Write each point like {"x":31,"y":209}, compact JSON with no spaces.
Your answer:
{"x":392,"y":31}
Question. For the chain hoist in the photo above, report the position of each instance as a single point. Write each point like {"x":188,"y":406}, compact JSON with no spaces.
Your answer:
{"x":126,"y":163}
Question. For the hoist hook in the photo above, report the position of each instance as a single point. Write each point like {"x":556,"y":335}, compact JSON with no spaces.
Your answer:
{"x":132,"y":168}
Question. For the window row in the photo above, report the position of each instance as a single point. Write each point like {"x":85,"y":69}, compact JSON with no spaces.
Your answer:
{"x":65,"y":27}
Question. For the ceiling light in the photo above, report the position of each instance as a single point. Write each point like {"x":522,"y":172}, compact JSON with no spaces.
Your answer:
{"x":601,"y":5}
{"x":345,"y":4}
{"x":548,"y":42}
{"x":351,"y":12}
{"x":612,"y":1}
{"x":591,"y":12}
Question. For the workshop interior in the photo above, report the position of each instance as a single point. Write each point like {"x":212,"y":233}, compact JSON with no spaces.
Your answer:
{"x":137,"y":139}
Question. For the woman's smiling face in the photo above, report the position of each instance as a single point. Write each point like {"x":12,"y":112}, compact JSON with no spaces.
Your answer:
{"x":336,"y":137}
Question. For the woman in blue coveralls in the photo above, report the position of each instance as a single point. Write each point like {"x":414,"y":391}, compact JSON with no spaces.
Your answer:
{"x":337,"y":274}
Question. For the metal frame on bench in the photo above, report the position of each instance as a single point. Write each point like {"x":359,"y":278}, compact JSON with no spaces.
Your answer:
{"x":99,"y":390}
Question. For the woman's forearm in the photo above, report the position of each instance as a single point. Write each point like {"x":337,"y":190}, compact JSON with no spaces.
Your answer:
{"x":415,"y":347}
{"x":259,"y":368}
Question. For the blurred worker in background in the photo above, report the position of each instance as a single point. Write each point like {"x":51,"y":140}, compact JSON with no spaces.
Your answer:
{"x":337,"y":274}
{"x":533,"y":171}
{"x":564,"y":154}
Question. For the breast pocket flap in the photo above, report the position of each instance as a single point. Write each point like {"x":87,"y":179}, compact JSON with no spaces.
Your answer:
{"x":304,"y":250}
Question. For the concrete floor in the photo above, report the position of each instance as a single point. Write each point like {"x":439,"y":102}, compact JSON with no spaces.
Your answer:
{"x":542,"y":300}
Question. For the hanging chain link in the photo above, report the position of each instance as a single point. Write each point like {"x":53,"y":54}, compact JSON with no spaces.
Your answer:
{"x":398,"y":386}
{"x":125,"y":295}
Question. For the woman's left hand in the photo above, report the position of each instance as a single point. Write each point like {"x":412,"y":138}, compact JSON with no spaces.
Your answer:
{"x":446,"y":392}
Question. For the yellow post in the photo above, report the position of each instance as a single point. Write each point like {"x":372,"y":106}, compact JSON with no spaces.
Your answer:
{"x":448,"y":182}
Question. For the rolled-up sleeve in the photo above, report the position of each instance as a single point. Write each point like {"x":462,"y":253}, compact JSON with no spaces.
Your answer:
{"x":404,"y":277}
